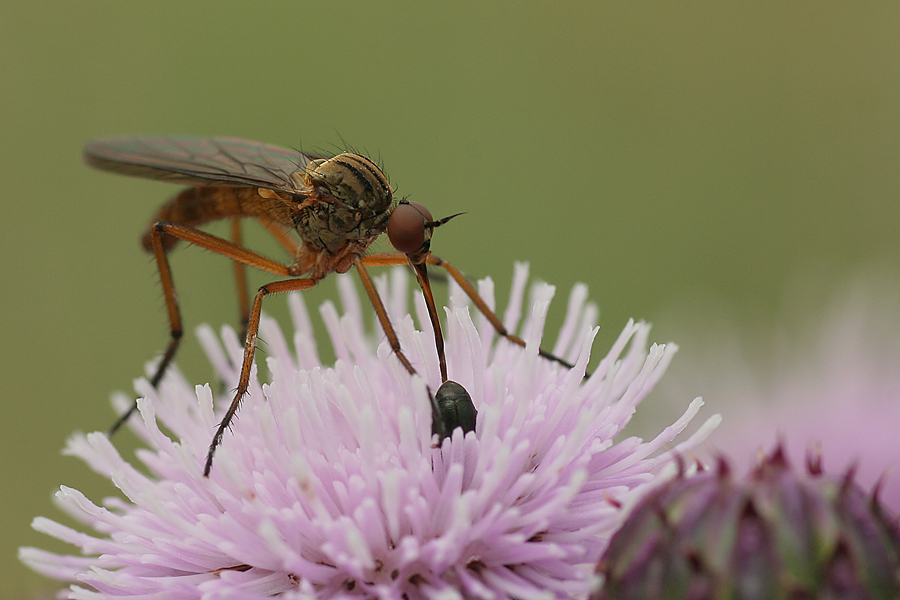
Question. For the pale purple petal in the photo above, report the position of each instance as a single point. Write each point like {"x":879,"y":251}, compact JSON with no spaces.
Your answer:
{"x":329,"y":485}
{"x":829,"y":384}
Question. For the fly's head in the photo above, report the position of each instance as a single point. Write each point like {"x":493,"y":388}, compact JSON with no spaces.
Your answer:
{"x":410,"y":229}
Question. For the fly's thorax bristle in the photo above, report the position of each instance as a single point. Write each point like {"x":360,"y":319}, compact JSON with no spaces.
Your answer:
{"x":352,"y":179}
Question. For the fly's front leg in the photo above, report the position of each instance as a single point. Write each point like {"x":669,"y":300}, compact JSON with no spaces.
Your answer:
{"x":394,"y":259}
{"x":391,"y":258}
{"x":421,"y":271}
{"x":439,"y":425}
{"x":249,"y":350}
{"x":479,"y":302}
{"x":382,"y":315}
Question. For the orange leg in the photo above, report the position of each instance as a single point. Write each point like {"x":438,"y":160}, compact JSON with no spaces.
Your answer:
{"x":283,"y":237}
{"x":250,"y":316}
{"x":240,"y":278}
{"x":287,"y":285}
{"x":215,"y":244}
{"x":382,"y":315}
{"x":422,"y":275}
{"x":392,"y":258}
{"x":439,"y":425}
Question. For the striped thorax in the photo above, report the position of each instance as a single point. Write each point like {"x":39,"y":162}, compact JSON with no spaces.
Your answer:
{"x":353,"y":179}
{"x":349,"y":207}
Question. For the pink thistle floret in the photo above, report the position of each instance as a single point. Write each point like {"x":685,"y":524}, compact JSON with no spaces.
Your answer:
{"x":330,"y":484}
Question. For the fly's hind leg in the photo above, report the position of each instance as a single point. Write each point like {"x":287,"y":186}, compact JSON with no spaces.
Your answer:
{"x":174,"y":313}
{"x":160,"y":235}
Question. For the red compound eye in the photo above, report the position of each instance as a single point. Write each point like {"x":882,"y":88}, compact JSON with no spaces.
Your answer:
{"x":406,"y":227}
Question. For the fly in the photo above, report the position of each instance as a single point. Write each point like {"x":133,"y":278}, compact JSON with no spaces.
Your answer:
{"x":325,"y":212}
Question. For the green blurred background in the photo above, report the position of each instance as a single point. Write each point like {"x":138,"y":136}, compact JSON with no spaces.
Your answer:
{"x":689,"y":154}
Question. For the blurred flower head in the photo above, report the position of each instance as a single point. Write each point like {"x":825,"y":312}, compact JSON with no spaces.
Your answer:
{"x":330,"y":485}
{"x":779,"y":532}
{"x":826,"y":381}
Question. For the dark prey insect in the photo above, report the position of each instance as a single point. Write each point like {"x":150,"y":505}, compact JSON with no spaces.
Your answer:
{"x":336,"y":206}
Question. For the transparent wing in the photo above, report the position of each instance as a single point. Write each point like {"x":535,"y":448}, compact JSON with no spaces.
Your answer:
{"x":198,"y":161}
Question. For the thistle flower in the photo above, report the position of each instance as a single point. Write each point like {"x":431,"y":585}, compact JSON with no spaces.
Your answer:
{"x":778,"y":534}
{"x":830,"y":384}
{"x":330,"y":486}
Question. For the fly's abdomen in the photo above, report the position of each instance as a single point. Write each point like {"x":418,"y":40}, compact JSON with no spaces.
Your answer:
{"x":200,"y":205}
